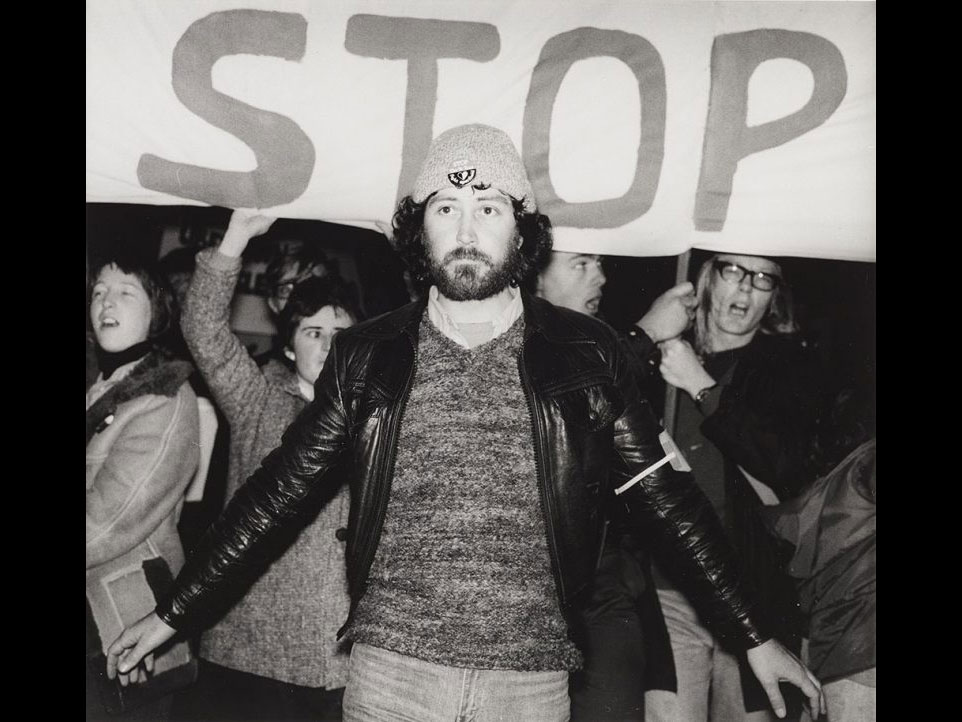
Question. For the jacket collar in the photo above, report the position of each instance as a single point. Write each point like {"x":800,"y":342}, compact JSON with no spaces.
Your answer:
{"x":558,"y":325}
{"x":555,"y":324}
{"x":156,"y":373}
{"x":405,"y":319}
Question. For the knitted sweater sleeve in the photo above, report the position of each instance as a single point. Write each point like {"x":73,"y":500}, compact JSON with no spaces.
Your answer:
{"x":234,"y":378}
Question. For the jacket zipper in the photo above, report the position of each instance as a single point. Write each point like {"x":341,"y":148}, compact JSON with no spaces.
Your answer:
{"x":543,"y":494}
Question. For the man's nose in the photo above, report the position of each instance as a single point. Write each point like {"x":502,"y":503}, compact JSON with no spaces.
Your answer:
{"x":596,"y":274}
{"x":602,"y":279}
{"x":466,"y":234}
{"x":746,"y":283}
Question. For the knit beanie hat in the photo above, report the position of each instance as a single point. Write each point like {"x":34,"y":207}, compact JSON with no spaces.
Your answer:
{"x":472,"y":154}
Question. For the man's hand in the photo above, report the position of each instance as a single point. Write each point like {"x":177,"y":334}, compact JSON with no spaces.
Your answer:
{"x":680,"y":367}
{"x":772,"y":663}
{"x":140,"y":673}
{"x":245,"y":223}
{"x":135,"y":644}
{"x":670,"y":313}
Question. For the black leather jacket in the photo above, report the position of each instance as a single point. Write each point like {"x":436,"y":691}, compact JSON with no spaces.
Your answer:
{"x":591,"y":431}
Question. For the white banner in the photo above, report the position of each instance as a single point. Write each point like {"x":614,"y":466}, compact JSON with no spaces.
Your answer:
{"x":647,"y":128}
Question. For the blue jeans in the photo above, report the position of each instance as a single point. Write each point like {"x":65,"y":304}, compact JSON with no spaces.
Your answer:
{"x":386,"y":686}
{"x":709,"y":682}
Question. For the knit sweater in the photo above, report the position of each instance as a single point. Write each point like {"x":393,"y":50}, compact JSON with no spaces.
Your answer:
{"x":285,"y":626}
{"x":462,"y":575}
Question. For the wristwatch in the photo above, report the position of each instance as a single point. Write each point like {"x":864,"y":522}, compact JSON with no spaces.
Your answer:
{"x":703,"y":394}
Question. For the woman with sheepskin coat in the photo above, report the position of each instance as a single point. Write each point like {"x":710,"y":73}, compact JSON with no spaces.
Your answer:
{"x":142,"y":452}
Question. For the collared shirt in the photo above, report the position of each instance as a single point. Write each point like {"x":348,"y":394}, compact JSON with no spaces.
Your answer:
{"x":443,"y":322}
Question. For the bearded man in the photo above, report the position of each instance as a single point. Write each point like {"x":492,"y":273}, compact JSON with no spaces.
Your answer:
{"x":485,"y":431}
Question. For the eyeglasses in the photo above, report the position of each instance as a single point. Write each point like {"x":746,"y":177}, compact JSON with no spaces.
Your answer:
{"x":733,"y":273}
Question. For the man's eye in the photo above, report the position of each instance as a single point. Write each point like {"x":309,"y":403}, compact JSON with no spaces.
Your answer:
{"x":313,"y":334}
{"x":489,"y":210}
{"x":444,"y":210}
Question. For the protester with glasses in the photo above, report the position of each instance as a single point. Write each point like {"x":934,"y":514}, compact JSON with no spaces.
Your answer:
{"x":749,"y":413}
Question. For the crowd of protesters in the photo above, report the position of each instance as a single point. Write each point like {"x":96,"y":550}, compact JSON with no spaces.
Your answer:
{"x":774,"y":474}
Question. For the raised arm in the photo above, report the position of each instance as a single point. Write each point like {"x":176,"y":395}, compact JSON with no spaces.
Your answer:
{"x":233,"y":377}
{"x":670,"y":314}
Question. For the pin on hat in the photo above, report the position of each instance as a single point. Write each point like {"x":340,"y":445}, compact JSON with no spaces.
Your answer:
{"x":471,"y":155}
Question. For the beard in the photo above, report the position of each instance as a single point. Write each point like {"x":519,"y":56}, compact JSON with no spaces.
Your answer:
{"x":477,"y":280}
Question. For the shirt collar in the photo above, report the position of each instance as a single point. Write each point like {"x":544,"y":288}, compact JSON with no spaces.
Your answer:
{"x":442,"y":321}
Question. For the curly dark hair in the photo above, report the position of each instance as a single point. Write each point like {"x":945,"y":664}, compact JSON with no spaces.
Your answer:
{"x":408,"y":223}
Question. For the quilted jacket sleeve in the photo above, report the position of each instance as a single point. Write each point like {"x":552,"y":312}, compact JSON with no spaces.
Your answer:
{"x":668,"y":508}
{"x":245,"y":537}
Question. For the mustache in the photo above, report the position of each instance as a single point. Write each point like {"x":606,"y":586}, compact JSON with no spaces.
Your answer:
{"x":463,"y":253}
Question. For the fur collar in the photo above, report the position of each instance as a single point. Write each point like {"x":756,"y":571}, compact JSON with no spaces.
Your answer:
{"x":157,"y":373}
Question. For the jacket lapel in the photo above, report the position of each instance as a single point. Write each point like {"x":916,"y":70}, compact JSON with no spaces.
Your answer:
{"x":157,"y":373}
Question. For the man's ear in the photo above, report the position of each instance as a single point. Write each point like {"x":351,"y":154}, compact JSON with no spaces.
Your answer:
{"x":289,"y":353}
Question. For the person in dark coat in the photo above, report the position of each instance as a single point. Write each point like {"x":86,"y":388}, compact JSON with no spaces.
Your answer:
{"x":831,"y":527}
{"x":622,"y":629}
{"x":747,"y":423}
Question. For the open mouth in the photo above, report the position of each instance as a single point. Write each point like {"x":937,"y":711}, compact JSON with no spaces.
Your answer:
{"x":738,"y":309}
{"x":108,"y":322}
{"x":592,"y":304}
